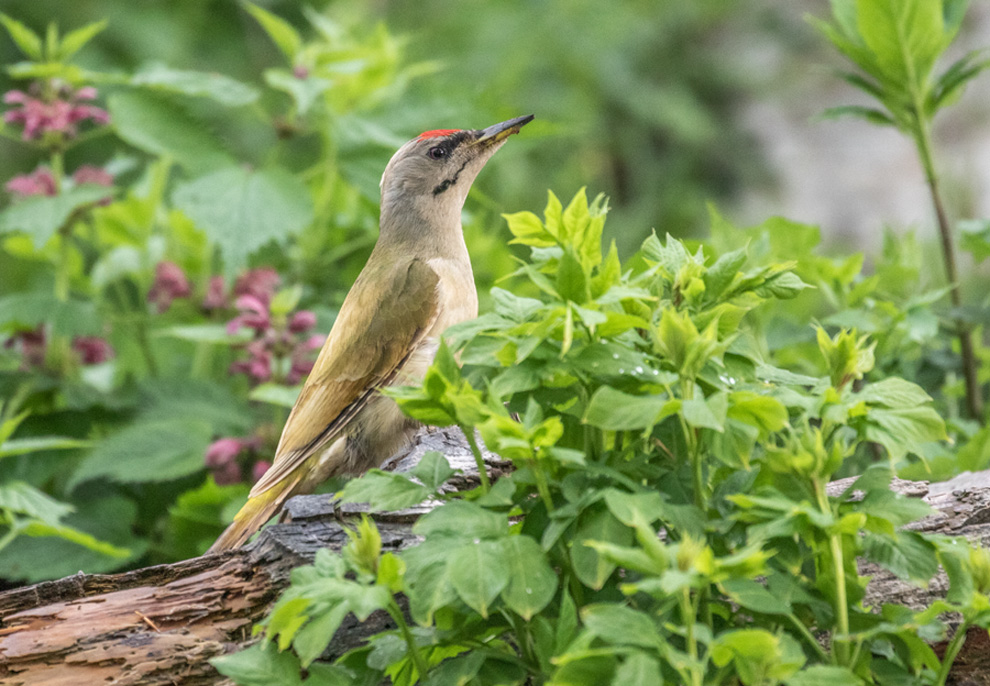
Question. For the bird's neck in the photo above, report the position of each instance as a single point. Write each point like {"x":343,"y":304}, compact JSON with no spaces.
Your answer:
{"x":429,"y":230}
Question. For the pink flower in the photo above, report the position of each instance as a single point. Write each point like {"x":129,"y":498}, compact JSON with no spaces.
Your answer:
{"x":223,"y":451}
{"x":33,"y":345}
{"x":94,"y":175}
{"x":258,"y":366}
{"x":38,"y":182}
{"x":170,"y":283}
{"x":261,"y":283}
{"x":259,"y":469}
{"x":215,"y":298}
{"x":254,"y":315}
{"x":301,"y":321}
{"x":92,"y":349}
{"x":300,"y":72}
{"x":227,"y":474}
{"x":59,"y":116}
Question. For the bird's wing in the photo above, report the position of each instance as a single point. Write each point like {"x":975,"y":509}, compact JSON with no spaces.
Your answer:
{"x":379,"y":325}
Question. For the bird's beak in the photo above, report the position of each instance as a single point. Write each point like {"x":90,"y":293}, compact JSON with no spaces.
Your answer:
{"x":499,"y":132}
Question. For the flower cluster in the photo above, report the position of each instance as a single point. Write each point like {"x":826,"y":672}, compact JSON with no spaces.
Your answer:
{"x":170,"y":283}
{"x":281,"y":350}
{"x":42,"y":182}
{"x":56,"y":114}
{"x":32,"y":345}
{"x":227,"y":457}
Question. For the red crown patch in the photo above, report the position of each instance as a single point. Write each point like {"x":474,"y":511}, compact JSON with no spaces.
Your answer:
{"x":436,"y":133}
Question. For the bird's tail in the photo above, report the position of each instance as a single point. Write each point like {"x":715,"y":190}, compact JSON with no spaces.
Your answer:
{"x":256,"y":511}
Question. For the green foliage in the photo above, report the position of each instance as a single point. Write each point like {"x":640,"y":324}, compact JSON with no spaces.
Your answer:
{"x":667,"y":517}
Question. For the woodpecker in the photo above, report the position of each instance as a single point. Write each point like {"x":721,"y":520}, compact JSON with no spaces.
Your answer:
{"x":416,"y":283}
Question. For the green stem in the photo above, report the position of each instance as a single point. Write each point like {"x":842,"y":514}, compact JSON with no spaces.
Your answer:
{"x":7,"y":538}
{"x":145,"y":344}
{"x":688,"y":618}
{"x":808,"y":637}
{"x":841,"y":646}
{"x":396,"y":613}
{"x":202,"y":357}
{"x":970,"y":365}
{"x":479,"y":460}
{"x":951,"y":651}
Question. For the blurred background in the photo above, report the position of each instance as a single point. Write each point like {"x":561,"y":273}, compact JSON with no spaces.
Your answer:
{"x":662,"y":105}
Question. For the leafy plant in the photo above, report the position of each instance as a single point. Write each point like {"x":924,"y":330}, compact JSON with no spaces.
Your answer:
{"x":895,"y":44}
{"x":667,"y":519}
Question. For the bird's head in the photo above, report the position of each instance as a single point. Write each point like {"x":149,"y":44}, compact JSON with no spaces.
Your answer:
{"x":430,"y":175}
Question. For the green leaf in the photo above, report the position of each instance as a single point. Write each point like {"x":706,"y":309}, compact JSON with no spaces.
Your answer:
{"x":205,"y":333}
{"x":479,"y":571}
{"x":285,"y":37}
{"x":905,"y":36}
{"x":596,"y":524}
{"x":75,"y":40}
{"x":463,"y":521}
{"x":764,"y":412}
{"x":903,"y":430}
{"x":906,"y":554}
{"x":384,"y":491}
{"x":24,"y":446}
{"x":260,"y":665}
{"x":24,"y":38}
{"x":275,"y":394}
{"x":572,"y":281}
{"x":532,"y":582}
{"x":157,"y":125}
{"x":241,"y":211}
{"x":528,"y":230}
{"x":754,"y":596}
{"x":705,"y":413}
{"x":27,"y":500}
{"x":222,"y":89}
{"x":870,"y":114}
{"x":975,"y":234}
{"x":621,"y":625}
{"x":639,"y":669}
{"x":614,"y":410}
{"x":148,"y":451}
{"x":824,"y":675}
{"x":41,"y":216}
{"x":723,"y":272}
{"x":433,"y":470}
{"x":64,"y":318}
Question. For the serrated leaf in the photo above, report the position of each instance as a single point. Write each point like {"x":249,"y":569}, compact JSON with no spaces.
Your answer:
{"x":638,"y":669}
{"x":384,"y":491}
{"x":906,"y":554}
{"x":617,"y":624}
{"x":479,"y":572}
{"x":148,"y":451}
{"x":532,"y":582}
{"x":260,"y":665}
{"x":241,"y":211}
{"x":25,"y":499}
{"x":157,"y":125}
{"x":41,"y":216}
{"x":614,"y":410}
{"x":433,"y":470}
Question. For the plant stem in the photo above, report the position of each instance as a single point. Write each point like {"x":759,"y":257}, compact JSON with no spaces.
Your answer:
{"x":479,"y":460}
{"x":841,"y":646}
{"x":955,"y":645}
{"x":688,"y":618}
{"x":974,"y":397}
{"x":396,"y":613}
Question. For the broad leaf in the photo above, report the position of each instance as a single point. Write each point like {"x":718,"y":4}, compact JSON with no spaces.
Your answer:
{"x":41,"y":216}
{"x":241,"y":211}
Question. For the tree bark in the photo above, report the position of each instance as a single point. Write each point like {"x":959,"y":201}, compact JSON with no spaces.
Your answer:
{"x":161,"y":625}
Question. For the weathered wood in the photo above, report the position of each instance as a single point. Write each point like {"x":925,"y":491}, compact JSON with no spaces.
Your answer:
{"x":161,"y":625}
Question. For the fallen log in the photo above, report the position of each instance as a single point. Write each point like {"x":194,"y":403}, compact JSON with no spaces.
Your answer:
{"x":161,"y":625}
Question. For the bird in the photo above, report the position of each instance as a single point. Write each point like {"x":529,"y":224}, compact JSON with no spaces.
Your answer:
{"x":417,"y":282}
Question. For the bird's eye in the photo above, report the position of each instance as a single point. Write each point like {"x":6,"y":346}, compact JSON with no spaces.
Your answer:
{"x":437,"y":153}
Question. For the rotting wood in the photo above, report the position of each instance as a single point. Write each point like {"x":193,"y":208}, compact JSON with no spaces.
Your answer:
{"x":160,"y":625}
